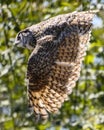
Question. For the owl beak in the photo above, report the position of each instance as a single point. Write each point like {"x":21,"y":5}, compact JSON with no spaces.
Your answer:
{"x":16,"y":43}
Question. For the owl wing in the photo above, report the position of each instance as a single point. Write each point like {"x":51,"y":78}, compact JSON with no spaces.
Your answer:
{"x":54,"y":66}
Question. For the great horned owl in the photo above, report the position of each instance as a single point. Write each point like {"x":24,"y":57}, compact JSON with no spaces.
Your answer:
{"x":58,"y":45}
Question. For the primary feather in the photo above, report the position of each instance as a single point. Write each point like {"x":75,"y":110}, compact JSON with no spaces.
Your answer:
{"x":59,"y":45}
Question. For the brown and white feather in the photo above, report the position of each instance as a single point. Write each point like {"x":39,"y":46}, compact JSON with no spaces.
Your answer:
{"x":55,"y":63}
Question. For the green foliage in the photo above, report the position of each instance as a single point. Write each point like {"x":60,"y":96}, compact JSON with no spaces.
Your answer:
{"x":85,"y":108}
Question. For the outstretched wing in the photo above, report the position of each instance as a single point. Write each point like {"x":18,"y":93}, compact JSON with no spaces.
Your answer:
{"x":55,"y":63}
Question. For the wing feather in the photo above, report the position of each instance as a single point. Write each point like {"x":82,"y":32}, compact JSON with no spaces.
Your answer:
{"x":54,"y":65}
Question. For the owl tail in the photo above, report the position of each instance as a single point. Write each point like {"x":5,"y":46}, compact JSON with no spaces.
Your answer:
{"x":45,"y":101}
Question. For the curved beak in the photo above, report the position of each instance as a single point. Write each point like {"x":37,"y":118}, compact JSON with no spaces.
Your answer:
{"x":16,"y":43}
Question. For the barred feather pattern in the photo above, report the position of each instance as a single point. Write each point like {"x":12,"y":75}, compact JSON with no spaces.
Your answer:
{"x":61,"y":80}
{"x":55,"y":63}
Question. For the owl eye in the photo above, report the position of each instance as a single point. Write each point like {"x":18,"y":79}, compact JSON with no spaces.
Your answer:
{"x":18,"y":38}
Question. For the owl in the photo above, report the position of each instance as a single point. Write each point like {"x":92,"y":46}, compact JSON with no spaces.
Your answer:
{"x":58,"y":46}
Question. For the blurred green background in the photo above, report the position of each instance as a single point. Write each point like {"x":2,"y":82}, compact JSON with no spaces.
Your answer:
{"x":85,"y":108}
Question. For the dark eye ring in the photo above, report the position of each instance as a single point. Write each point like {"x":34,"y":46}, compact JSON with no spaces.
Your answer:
{"x":18,"y":38}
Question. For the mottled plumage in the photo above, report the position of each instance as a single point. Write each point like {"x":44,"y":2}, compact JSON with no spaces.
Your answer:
{"x":58,"y":45}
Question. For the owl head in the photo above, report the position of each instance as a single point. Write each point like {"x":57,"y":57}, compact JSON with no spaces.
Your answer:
{"x":25,"y":39}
